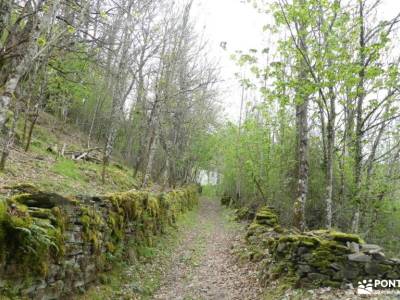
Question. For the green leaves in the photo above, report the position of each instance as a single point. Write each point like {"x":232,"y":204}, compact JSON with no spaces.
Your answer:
{"x":41,"y":41}
{"x":71,"y":29}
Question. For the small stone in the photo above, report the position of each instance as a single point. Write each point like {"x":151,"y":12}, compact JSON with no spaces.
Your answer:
{"x":29,"y":291}
{"x":359,"y":257}
{"x":302,"y":250}
{"x":281,"y":247}
{"x":375,"y":268}
{"x":317,"y":277}
{"x":303,"y":269}
{"x":370,"y":247}
{"x":79,"y":283}
{"x":355,"y":247}
{"x":335,"y":266}
{"x":347,"y":286}
{"x":378,"y":256}
{"x":395,"y":261}
{"x":349,"y":272}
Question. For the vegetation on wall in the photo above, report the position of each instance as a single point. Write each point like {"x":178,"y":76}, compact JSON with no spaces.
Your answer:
{"x":39,"y":230}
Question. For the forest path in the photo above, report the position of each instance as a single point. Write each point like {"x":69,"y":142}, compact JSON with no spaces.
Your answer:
{"x":203,"y":266}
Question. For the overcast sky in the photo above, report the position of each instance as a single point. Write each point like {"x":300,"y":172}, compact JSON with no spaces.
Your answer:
{"x":240,"y":25}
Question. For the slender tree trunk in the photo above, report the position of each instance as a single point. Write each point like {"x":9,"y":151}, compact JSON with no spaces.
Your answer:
{"x":359,"y":123}
{"x":302,"y":103}
{"x":302,"y":152}
{"x":239,"y":158}
{"x":8,"y":139}
{"x":150,"y":161}
{"x":330,"y":157}
{"x":31,"y":127}
{"x":96,"y":110}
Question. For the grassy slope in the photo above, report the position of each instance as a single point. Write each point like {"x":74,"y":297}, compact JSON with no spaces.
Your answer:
{"x":59,"y":174}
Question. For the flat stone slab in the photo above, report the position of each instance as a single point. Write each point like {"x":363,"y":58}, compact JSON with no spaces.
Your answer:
{"x":359,"y":257}
{"x":370,"y":247}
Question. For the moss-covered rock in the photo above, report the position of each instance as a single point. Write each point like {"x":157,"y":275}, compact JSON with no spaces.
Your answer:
{"x":266,"y":216}
{"x":314,"y":258}
{"x":29,"y":242}
{"x":50,"y":237}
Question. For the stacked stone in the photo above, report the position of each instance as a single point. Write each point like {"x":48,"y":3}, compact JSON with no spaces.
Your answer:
{"x":316,"y":258}
{"x":89,"y":231}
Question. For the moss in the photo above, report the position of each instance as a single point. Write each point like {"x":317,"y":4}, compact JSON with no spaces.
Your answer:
{"x":42,"y":213}
{"x":23,"y":188}
{"x":42,"y":200}
{"x":30,"y":242}
{"x":110,"y":247}
{"x":116,"y":223}
{"x":34,"y":237}
{"x":331,"y":283}
{"x":153,"y":206}
{"x":266,"y":216}
{"x":3,"y":211}
{"x":345,"y":237}
{"x":91,"y":226}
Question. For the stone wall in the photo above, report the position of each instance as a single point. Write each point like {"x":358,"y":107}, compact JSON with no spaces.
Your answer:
{"x":53,"y":246}
{"x":315,"y":258}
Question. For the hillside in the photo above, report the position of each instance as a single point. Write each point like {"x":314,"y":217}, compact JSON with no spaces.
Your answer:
{"x":53,"y":173}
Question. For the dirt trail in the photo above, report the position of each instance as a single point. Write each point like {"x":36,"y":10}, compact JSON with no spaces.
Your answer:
{"x":203,"y":266}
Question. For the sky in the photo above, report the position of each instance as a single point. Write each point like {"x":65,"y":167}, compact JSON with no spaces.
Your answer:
{"x":238,"y":24}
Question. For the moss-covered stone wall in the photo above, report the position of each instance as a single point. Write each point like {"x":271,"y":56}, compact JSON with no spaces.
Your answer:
{"x":314,"y":258}
{"x":52,"y":245}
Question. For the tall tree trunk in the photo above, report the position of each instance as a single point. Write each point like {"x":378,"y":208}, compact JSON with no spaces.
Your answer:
{"x":330,"y":157}
{"x":302,"y":154}
{"x":358,"y":139}
{"x":150,"y":161}
{"x":96,"y":110}
{"x":302,"y":103}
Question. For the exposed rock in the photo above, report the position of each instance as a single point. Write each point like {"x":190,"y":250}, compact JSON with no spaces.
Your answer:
{"x":370,"y":247}
{"x":375,"y":268}
{"x":303,"y":269}
{"x":335,"y":266}
{"x":359,"y":257}
{"x":354,"y":246}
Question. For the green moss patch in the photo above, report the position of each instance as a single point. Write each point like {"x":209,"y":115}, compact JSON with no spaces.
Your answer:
{"x":313,"y":258}
{"x":40,"y":229}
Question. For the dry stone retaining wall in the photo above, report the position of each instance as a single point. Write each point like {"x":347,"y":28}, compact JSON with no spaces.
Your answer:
{"x":315,"y":258}
{"x":52,"y":246}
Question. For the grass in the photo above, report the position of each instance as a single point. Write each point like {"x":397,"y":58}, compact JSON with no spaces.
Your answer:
{"x":209,"y":190}
{"x":57,"y":174}
{"x":67,"y":168}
